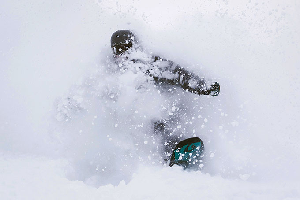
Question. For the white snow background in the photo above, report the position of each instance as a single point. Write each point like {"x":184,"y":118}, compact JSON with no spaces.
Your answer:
{"x":51,"y":50}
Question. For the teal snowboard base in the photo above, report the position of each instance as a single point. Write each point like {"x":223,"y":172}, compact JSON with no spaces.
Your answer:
{"x":188,"y":153}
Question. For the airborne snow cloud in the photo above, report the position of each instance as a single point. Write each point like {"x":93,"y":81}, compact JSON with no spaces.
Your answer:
{"x":48,"y":49}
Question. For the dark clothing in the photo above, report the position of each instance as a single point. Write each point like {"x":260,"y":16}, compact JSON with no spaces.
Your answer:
{"x":167,"y":72}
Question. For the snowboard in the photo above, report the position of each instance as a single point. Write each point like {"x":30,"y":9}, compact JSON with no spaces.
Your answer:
{"x":188,"y":153}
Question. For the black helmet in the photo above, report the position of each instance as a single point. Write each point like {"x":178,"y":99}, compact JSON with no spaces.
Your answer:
{"x":122,"y":40}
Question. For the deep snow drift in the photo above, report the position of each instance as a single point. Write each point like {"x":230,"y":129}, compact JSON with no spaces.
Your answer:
{"x":71,"y":127}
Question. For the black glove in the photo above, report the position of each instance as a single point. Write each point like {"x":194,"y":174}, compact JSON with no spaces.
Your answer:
{"x":214,"y":89}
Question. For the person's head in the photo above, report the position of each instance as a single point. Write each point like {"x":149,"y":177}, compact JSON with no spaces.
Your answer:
{"x":122,"y":41}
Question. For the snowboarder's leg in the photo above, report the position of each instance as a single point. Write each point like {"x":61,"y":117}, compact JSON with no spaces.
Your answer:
{"x":168,"y":141}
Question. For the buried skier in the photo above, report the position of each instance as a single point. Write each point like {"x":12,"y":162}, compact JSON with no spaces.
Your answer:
{"x":165,"y":74}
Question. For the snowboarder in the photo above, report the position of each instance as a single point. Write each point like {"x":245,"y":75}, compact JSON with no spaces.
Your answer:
{"x":127,"y":51}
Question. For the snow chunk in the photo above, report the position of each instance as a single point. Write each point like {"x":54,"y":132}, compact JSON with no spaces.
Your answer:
{"x":244,"y":177}
{"x":235,"y":123}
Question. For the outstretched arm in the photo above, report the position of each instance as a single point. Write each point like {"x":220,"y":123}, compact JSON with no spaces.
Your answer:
{"x":166,"y":72}
{"x":193,"y":83}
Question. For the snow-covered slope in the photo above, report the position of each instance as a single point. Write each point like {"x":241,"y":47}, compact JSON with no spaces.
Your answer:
{"x":83,"y":147}
{"x":25,"y":177}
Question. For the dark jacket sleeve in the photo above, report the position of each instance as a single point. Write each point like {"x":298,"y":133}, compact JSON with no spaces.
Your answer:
{"x":166,"y":72}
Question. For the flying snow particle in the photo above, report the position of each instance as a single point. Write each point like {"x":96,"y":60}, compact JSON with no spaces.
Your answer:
{"x":173,"y":108}
{"x":244,"y":177}
{"x":235,"y":123}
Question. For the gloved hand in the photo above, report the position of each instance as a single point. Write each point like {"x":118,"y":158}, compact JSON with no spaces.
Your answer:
{"x":214,"y":89}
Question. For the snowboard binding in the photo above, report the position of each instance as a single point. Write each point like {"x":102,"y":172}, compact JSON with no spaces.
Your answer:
{"x":188,"y":153}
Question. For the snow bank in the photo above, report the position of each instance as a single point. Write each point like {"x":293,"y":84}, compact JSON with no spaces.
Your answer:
{"x":25,"y":177}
